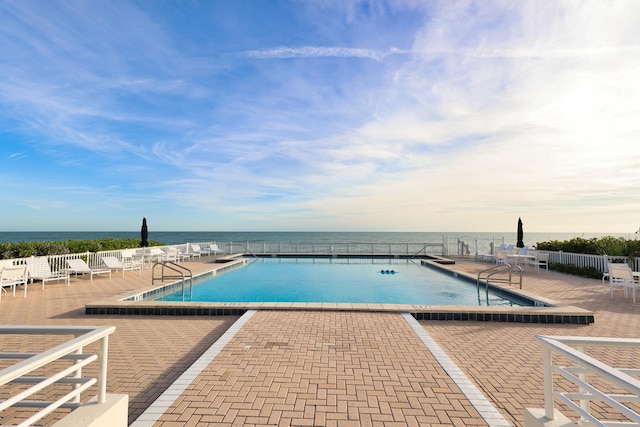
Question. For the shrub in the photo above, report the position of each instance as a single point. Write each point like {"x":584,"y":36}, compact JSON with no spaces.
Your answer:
{"x":9,"y":250}
{"x":609,"y":245}
{"x":588,"y":272}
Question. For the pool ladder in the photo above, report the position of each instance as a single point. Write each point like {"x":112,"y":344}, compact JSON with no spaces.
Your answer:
{"x":177,"y":268}
{"x":498,"y":269}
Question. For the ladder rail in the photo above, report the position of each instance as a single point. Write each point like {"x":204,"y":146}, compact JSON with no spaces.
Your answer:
{"x":180,"y":269}
{"x":497,"y":269}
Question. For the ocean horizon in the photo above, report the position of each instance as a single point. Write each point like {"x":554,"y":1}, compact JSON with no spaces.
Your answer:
{"x":180,"y":237}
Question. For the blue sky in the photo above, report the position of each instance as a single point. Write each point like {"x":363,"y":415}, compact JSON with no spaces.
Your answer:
{"x":416,"y":115}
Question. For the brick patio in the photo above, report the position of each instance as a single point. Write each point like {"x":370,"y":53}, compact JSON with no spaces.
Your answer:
{"x":322,"y":368}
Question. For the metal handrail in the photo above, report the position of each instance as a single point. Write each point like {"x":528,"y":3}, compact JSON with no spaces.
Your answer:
{"x":574,"y":349}
{"x":174,"y":267}
{"x":70,"y":350}
{"x":497,"y":269}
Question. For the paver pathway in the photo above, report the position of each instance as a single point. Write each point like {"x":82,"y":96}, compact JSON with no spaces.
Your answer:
{"x":327,"y":369}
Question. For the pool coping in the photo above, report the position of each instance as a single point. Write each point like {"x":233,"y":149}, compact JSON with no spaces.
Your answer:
{"x":546,"y":311}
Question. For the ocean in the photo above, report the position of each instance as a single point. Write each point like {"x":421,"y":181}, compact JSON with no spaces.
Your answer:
{"x":179,"y":237}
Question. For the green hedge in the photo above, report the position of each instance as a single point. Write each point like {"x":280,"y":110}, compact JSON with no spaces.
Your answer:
{"x":9,"y":250}
{"x":609,"y":245}
{"x":589,"y":272}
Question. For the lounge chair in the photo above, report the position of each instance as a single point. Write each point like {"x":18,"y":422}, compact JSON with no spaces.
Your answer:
{"x":114,"y":264}
{"x":214,"y":249}
{"x":200,"y":250}
{"x":78,"y":266}
{"x":621,"y":276}
{"x":13,"y":276}
{"x":185,"y":253}
{"x":39,"y":269}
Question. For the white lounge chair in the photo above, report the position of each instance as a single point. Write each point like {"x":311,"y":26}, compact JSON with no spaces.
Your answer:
{"x":200,"y":250}
{"x":214,"y":249}
{"x":621,"y":276}
{"x":13,"y":276}
{"x":78,"y":266}
{"x":185,"y":253}
{"x":39,"y":269}
{"x":114,"y":264}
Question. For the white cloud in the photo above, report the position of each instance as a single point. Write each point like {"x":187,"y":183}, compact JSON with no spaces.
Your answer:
{"x":323,"y":51}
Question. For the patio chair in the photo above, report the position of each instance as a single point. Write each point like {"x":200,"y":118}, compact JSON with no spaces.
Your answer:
{"x":39,"y":269}
{"x":131,"y":257}
{"x":152,"y":255}
{"x":621,"y":276}
{"x":114,"y":264}
{"x":541,"y":260}
{"x":174,"y":255}
{"x":502,"y":257}
{"x":13,"y":276}
{"x":185,"y":253}
{"x":78,"y":266}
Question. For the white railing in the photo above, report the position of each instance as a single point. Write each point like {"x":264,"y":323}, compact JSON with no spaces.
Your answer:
{"x":374,"y":249}
{"x":69,"y":373}
{"x":591,"y":376}
{"x":599,"y":262}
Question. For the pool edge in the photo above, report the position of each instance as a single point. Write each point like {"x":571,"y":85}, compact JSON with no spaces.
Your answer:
{"x":550,"y":312}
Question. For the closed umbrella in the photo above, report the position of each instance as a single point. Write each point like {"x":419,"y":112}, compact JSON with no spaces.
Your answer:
{"x":520,"y":242}
{"x":144,"y":233}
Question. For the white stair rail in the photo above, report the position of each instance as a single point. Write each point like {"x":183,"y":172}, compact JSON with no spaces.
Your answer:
{"x":574,"y":349}
{"x":71,"y":350}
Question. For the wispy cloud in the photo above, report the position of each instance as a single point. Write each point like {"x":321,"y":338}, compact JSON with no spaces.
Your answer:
{"x":324,"y":52}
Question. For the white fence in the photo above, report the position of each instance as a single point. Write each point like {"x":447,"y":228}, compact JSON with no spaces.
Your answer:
{"x":373,"y":249}
{"x":616,"y":390}
{"x":62,"y":364}
{"x":445,"y":248}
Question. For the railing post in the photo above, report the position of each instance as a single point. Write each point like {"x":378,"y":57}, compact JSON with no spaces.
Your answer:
{"x":102,"y":375}
{"x":548,"y":382}
{"x":584,"y":403}
{"x":77,"y":374}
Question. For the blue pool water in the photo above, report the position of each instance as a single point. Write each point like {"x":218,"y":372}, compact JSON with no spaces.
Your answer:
{"x":336,"y":280}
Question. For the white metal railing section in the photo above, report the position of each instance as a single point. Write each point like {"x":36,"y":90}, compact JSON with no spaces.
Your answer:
{"x":23,"y":374}
{"x":590,"y":376}
{"x":599,"y":262}
{"x":387,"y":249}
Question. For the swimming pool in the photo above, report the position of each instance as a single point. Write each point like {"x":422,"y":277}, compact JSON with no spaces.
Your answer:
{"x":340,"y":280}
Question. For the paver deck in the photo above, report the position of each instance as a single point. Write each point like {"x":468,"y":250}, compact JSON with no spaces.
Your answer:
{"x":323,"y":368}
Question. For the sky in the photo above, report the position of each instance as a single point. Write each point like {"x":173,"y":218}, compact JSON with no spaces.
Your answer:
{"x":320,"y":115}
